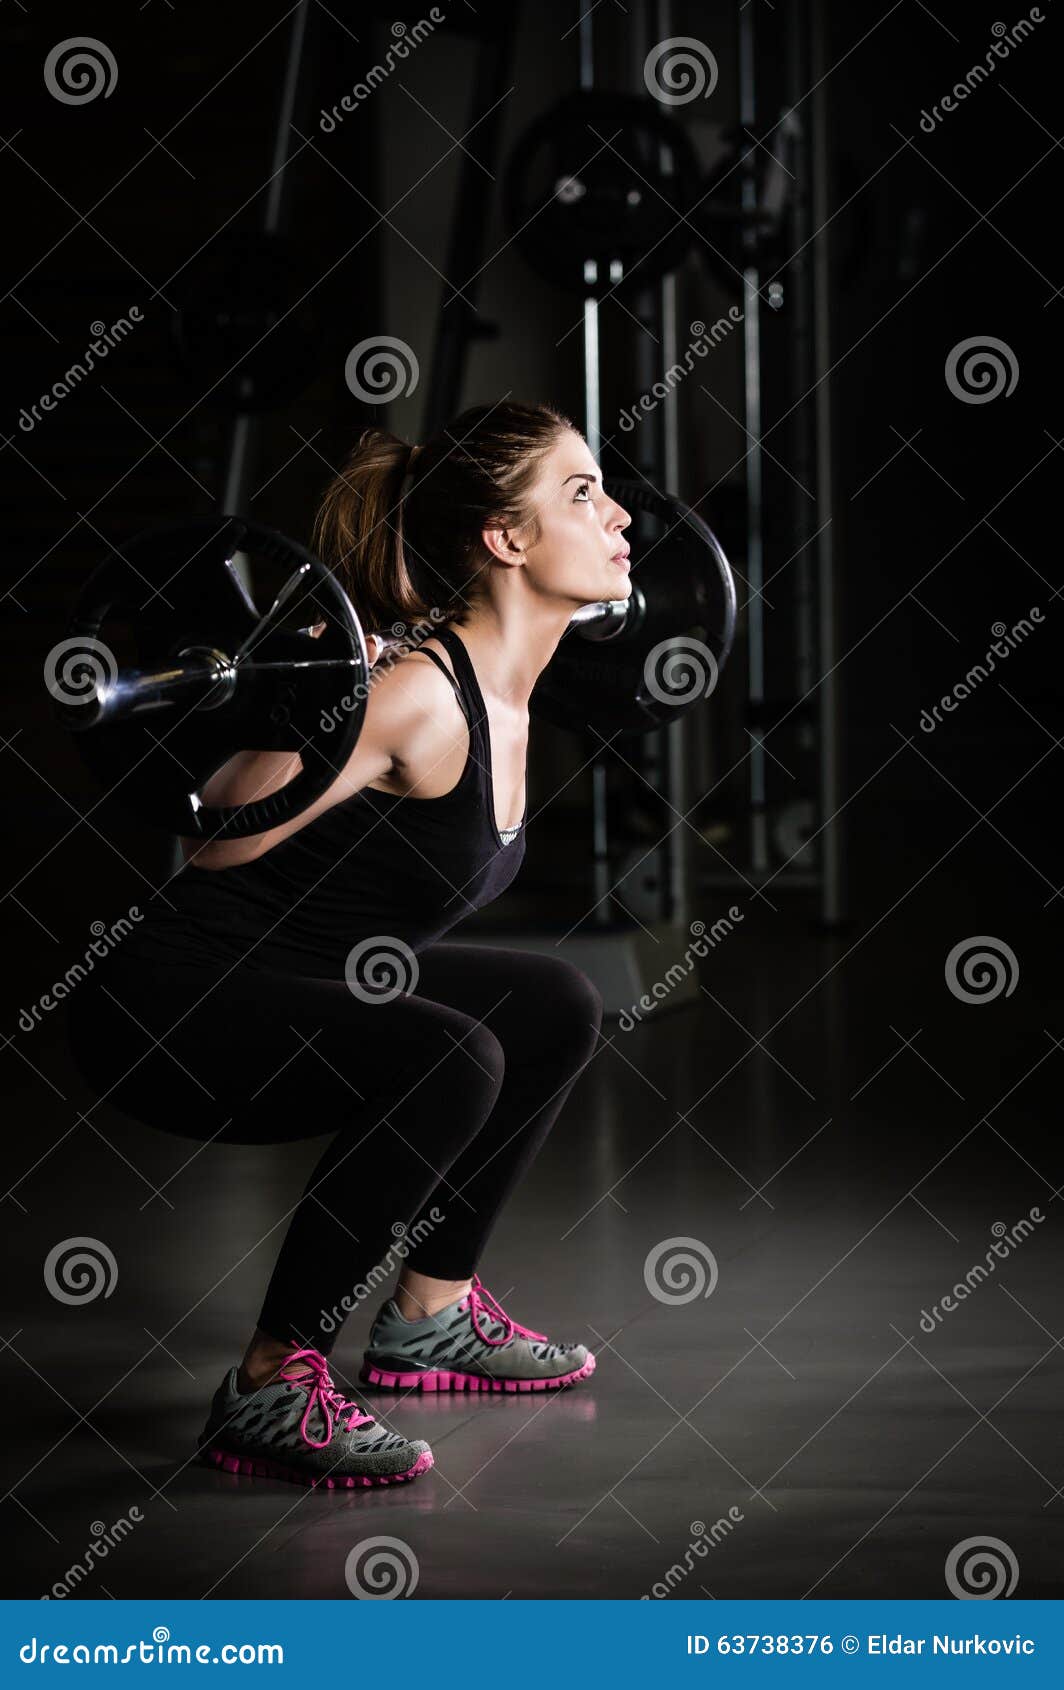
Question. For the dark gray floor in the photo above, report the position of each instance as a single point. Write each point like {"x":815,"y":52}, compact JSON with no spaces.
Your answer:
{"x":845,"y":1171}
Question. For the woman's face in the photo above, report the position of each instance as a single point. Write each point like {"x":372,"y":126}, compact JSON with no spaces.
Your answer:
{"x":579,"y":553}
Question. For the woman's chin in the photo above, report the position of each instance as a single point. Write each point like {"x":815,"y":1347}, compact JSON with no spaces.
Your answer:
{"x":620,"y":583}
{"x":616,"y":583}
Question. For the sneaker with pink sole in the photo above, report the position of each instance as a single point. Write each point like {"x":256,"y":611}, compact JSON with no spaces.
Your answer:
{"x":299,"y":1427}
{"x":471,"y":1345}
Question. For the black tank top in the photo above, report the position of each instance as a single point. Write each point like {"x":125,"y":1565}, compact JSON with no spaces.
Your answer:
{"x":374,"y":865}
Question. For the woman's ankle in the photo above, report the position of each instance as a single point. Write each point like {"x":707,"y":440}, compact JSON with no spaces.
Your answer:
{"x":263,"y":1359}
{"x":418,"y":1295}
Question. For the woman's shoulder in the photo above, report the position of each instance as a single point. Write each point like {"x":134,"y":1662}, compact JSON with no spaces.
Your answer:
{"x":411,"y":684}
{"x":414,"y":710}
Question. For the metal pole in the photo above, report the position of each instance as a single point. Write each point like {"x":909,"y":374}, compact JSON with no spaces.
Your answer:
{"x":832,"y":890}
{"x":755,"y":632}
{"x":593,"y":435}
{"x":592,"y":397}
{"x":244,"y":437}
{"x":243,"y":440}
{"x":678,"y":737}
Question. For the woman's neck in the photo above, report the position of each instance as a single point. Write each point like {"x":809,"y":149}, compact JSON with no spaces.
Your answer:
{"x":511,"y":644}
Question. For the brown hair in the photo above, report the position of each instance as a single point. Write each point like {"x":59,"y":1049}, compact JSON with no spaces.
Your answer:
{"x":402,"y":550}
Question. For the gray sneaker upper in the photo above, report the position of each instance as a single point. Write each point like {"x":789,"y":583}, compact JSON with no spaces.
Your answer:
{"x":269,"y":1423}
{"x":449,"y":1341}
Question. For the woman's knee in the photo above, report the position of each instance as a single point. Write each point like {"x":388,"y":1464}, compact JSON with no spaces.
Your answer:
{"x":483,"y":1055}
{"x":439,"y":1048}
{"x":571,"y":1008}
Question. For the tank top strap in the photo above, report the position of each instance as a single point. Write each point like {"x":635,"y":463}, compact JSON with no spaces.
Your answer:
{"x":466,"y":675}
{"x":442,"y":667}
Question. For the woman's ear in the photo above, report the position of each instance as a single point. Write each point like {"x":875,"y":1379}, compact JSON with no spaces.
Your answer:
{"x":504,"y":544}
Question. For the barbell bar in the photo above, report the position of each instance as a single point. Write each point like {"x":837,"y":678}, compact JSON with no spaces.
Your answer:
{"x":192,"y":672}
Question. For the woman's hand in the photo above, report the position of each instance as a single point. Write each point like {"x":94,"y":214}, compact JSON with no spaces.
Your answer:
{"x":248,"y":776}
{"x":374,"y":645}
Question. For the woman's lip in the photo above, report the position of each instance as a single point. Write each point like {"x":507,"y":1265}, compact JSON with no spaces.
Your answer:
{"x":621,"y":560}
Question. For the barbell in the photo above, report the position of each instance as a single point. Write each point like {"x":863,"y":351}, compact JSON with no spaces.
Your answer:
{"x":170,"y":666}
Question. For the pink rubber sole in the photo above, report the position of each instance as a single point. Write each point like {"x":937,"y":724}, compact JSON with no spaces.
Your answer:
{"x":256,"y":1467}
{"x":444,"y":1381}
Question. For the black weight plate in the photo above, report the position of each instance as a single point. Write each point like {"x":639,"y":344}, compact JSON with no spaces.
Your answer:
{"x":586,"y":182}
{"x":176,"y":588}
{"x":676,"y":637}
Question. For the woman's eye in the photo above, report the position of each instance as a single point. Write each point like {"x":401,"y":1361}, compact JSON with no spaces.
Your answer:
{"x":584,"y":488}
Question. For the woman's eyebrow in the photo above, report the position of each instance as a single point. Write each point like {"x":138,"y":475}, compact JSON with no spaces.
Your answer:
{"x":582,"y":477}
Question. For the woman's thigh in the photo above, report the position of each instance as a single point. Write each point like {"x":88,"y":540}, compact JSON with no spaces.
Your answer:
{"x":262,"y":1056}
{"x":539,"y":1007}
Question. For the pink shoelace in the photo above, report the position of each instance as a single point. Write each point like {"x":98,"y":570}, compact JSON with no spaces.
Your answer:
{"x":312,"y":1373}
{"x":481,"y":1301}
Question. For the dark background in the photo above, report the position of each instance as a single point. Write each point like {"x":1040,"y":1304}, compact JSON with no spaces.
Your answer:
{"x":945,"y":518}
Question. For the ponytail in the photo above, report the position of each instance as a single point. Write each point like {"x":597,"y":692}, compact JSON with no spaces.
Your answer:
{"x":402,"y":526}
{"x":358,"y":531}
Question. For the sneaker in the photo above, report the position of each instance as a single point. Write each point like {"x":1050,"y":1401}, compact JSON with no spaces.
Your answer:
{"x":471,"y":1345}
{"x":299,"y":1427}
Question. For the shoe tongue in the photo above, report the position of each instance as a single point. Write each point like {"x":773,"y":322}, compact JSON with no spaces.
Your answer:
{"x":490,"y":1323}
{"x":300,"y":1373}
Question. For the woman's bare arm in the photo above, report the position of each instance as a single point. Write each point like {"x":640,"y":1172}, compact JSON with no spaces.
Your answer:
{"x":411,"y":736}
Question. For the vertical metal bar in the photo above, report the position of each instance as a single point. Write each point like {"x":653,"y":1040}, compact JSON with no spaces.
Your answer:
{"x":244,"y":438}
{"x":686,"y":741}
{"x":646,"y":444}
{"x":593,"y":435}
{"x":587,"y":44}
{"x":275,"y":196}
{"x":755,"y":630}
{"x":832,"y":897}
{"x":458,"y":322}
{"x":592,"y":395}
{"x":237,"y":468}
{"x":600,"y":842}
{"x":678,"y":736}
{"x":797,"y":303}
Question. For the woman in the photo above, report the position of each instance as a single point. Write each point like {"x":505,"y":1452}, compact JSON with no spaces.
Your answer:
{"x":254,"y":987}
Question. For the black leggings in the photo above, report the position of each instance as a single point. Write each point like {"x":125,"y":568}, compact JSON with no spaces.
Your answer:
{"x":441,"y":1098}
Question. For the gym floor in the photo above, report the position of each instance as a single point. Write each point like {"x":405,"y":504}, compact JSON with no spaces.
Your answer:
{"x":842,"y":1134}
